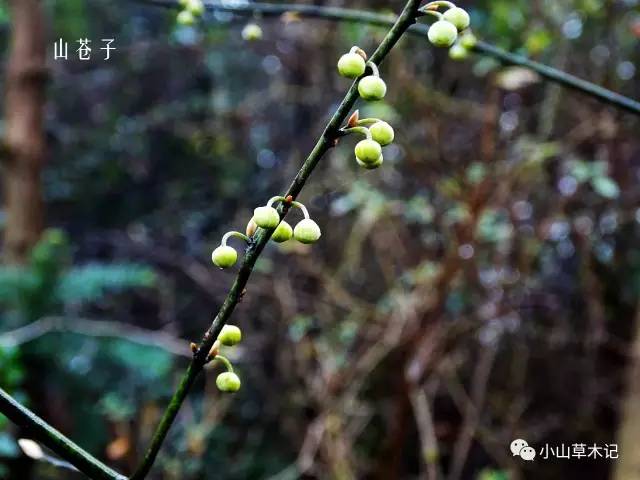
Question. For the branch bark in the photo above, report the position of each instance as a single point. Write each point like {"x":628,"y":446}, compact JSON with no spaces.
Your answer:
{"x":24,"y":148}
{"x":55,"y":440}
{"x":326,"y":141}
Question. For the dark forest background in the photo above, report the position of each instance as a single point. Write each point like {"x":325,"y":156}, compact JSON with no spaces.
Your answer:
{"x":482,"y":286}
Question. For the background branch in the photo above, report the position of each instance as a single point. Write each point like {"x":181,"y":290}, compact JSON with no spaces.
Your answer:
{"x":95,"y":328}
{"x":484,"y":48}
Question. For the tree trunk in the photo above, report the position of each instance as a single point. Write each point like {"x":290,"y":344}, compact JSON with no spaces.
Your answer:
{"x":627,"y":467}
{"x":24,"y":148}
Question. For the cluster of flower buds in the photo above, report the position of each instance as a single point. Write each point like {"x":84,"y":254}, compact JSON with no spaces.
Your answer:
{"x":191,"y":10}
{"x":378,"y":134}
{"x":229,"y":336}
{"x":306,"y":230}
{"x":445,"y":31}
{"x":353,"y":65}
{"x":460,"y":49}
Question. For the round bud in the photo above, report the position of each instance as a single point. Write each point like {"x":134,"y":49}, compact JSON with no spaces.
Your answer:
{"x":282,"y":233}
{"x":442,"y":33}
{"x":458,"y":16}
{"x":252,"y":32}
{"x":351,"y":65}
{"x":230,"y":335}
{"x":228,"y":382}
{"x":372,"y":88}
{"x":382,"y":133}
{"x":458,"y":52}
{"x":251,"y":228}
{"x":468,"y":40}
{"x":266,"y":217}
{"x":196,"y":7}
{"x":185,"y":17}
{"x":224,"y":256}
{"x":371,"y":165}
{"x":307,"y":231}
{"x":368,"y":151}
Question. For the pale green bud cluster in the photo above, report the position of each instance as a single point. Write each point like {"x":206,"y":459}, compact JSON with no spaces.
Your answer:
{"x":378,"y":133}
{"x":267,"y":217}
{"x":445,"y":31}
{"x":191,"y":11}
{"x":460,"y":50}
{"x":354,"y":65}
{"x":229,"y":336}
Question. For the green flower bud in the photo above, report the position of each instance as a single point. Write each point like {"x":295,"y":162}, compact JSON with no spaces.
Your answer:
{"x":266,"y":217}
{"x":196,"y":7}
{"x":458,"y":16}
{"x":442,"y":33}
{"x":228,"y":382}
{"x":230,"y":335}
{"x":382,"y":133}
{"x":368,"y":151}
{"x":351,"y":65}
{"x":370,"y":165}
{"x":468,"y":40}
{"x":282,"y":233}
{"x":224,"y":256}
{"x":186,"y":18}
{"x":252,"y":32}
{"x":372,"y":88}
{"x":307,"y":231}
{"x":458,"y":52}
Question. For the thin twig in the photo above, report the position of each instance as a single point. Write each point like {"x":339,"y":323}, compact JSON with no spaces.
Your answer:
{"x":359,"y":16}
{"x":56,"y":441}
{"x":324,"y":144}
{"x":95,"y":328}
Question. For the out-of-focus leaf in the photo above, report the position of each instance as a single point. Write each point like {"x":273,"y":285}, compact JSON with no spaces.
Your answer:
{"x":116,"y":407}
{"x":605,"y":187}
{"x":8,"y":446}
{"x":538,"y":40}
{"x":419,"y":210}
{"x":150,"y":363}
{"x":90,"y":282}
{"x":299,"y":327}
{"x":476,"y":172}
{"x":493,"y":475}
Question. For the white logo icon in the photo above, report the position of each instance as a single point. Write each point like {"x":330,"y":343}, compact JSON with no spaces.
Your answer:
{"x":521,"y":448}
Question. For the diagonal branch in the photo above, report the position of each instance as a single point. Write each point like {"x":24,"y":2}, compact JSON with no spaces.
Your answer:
{"x":326,"y":141}
{"x":95,"y":328}
{"x":360,"y":16}
{"x":55,"y":440}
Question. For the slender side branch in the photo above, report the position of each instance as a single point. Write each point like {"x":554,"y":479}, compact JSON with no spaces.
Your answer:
{"x":56,"y":441}
{"x":326,"y":141}
{"x":560,"y":77}
{"x":359,"y":16}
